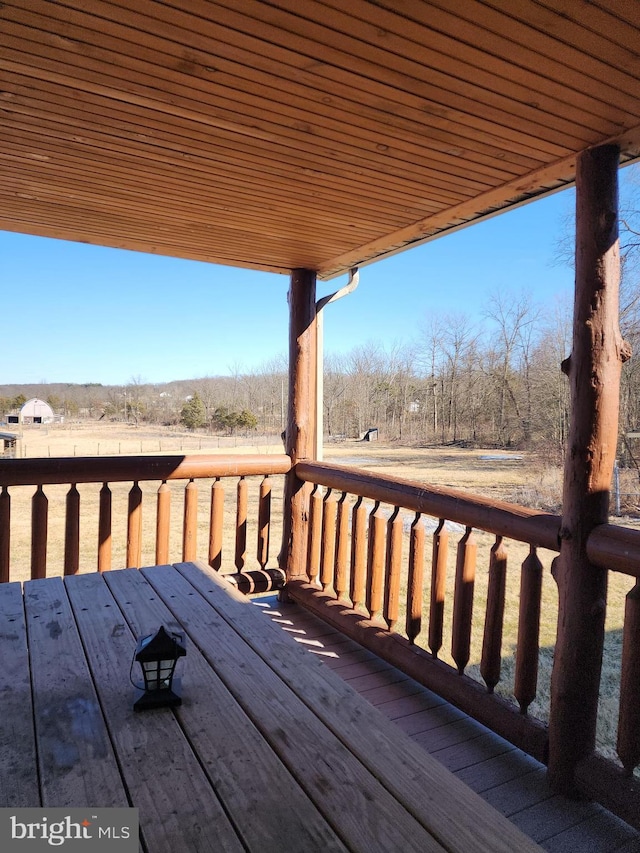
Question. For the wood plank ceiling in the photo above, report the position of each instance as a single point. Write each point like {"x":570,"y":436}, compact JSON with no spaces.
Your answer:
{"x":300,"y":133}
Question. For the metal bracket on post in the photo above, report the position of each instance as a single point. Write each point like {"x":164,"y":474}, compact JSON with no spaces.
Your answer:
{"x":350,"y":286}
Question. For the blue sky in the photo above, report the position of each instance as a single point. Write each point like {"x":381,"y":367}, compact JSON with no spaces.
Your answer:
{"x":78,"y":313}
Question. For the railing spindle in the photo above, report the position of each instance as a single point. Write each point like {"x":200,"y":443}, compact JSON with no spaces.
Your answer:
{"x":241,"y":524}
{"x":163,"y":524}
{"x":341,"y":581}
{"x":491,"y":663}
{"x":358,"y":583}
{"x":134,"y":527}
{"x":629,"y":717}
{"x":190,"y":522}
{"x":315,"y":534}
{"x":328,"y":551}
{"x":216,"y":525}
{"x":39,"y":530}
{"x":526,"y":676}
{"x":264,"y":522}
{"x":72,"y":532}
{"x":5,"y":534}
{"x":393,"y":567}
{"x":375,"y":562}
{"x":415,"y":579}
{"x":438,"y":586}
{"x":463,"y":600}
{"x":104,"y":529}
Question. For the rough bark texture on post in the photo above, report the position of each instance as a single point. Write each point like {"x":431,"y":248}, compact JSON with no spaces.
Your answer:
{"x":594,"y":375}
{"x":300,"y":434}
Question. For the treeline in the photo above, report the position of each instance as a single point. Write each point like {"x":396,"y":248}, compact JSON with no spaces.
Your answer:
{"x":496,"y":381}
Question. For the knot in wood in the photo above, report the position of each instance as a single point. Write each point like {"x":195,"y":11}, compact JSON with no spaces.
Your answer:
{"x":626,"y":351}
{"x":565,"y":365}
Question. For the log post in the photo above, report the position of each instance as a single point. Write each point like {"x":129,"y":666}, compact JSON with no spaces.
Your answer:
{"x":594,"y":376}
{"x":300,"y":433}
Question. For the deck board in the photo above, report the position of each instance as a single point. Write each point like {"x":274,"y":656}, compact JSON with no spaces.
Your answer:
{"x":181,"y":811}
{"x":77,"y":763}
{"x":250,"y":781}
{"x":332,"y":776}
{"x":369,"y":736}
{"x":511,"y":781}
{"x":18,"y":782}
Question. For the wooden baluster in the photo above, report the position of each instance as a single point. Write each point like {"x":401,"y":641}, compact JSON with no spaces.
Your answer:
{"x":341,"y":583}
{"x":241,"y":524}
{"x":72,"y":532}
{"x":415,"y":579}
{"x":5,"y":534}
{"x":358,"y":585}
{"x":104,"y":529}
{"x":463,"y":600}
{"x":216,"y":525}
{"x":375,"y":562}
{"x":315,"y":534}
{"x":526,"y":677}
{"x":134,"y":527}
{"x":328,"y":551}
{"x":39,"y":530}
{"x":438,"y":586}
{"x":163,"y":524}
{"x":190,"y":523}
{"x":393,"y":569}
{"x":264,"y":522}
{"x":491,"y":662}
{"x":629,"y":716}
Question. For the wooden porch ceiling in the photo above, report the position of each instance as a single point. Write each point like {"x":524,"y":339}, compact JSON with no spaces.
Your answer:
{"x":321,"y":134}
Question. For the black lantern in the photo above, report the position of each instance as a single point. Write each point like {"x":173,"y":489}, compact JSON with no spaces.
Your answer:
{"x":158,"y":655}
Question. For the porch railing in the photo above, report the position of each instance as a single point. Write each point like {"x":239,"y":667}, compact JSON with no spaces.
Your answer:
{"x":367,"y":542}
{"x":168,"y":471}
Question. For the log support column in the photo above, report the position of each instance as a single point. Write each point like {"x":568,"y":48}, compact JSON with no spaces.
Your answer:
{"x":594,"y":374}
{"x":300,"y":433}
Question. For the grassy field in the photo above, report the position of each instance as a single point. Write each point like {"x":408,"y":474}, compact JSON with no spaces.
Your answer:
{"x":503,"y":476}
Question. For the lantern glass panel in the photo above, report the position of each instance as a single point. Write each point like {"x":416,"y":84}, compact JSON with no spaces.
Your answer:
{"x":157,"y":674}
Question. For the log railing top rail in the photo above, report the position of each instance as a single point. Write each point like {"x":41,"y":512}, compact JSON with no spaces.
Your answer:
{"x":112,"y":469}
{"x":610,"y":546}
{"x":615,"y":548}
{"x":504,"y":519}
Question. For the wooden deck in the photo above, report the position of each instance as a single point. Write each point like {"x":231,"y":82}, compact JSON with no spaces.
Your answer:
{"x":511,"y":781}
{"x":271,"y":750}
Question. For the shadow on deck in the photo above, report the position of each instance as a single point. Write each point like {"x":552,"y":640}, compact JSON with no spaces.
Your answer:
{"x":507,"y":778}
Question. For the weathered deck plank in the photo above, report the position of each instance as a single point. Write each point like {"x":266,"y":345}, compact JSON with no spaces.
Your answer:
{"x":375,"y":745}
{"x":513,"y":782}
{"x":181,"y":812}
{"x":269,"y":810}
{"x":18,"y":782}
{"x":76,"y":760}
{"x":324,"y":767}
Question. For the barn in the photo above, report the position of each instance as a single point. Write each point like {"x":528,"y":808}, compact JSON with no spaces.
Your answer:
{"x":36,"y":411}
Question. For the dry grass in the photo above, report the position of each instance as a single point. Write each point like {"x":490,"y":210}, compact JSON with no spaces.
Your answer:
{"x":497,"y":475}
